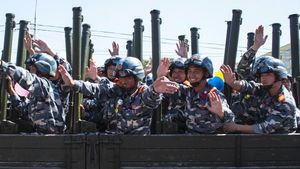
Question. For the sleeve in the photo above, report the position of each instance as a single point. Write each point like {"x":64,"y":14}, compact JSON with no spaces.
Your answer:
{"x":27,"y":80}
{"x":19,"y":105}
{"x":89,"y":89}
{"x":228,"y":114}
{"x":150,"y":98}
{"x":251,"y":87}
{"x":92,"y":110}
{"x":280,"y":120}
{"x":244,"y":67}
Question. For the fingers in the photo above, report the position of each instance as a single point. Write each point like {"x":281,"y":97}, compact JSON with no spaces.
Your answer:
{"x":226,"y":69}
{"x":62,"y":70}
{"x":110,"y":52}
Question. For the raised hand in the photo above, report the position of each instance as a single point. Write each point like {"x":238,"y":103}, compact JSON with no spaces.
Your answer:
{"x":260,"y":39}
{"x":28,"y":43}
{"x":115,"y":49}
{"x":181,"y":49}
{"x":229,"y":75}
{"x":42,"y":47}
{"x":91,"y":72}
{"x":163,"y":67}
{"x":215,"y":104}
{"x":164,"y":85}
{"x":67,"y":78}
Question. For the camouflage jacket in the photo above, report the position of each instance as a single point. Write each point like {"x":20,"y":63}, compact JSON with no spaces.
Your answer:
{"x":125,"y":114}
{"x":43,"y":110}
{"x":278,"y":111}
{"x":94,"y":107}
{"x":198,"y":118}
{"x":244,"y":68}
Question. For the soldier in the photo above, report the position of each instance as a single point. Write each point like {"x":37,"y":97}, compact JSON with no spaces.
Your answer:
{"x":93,"y":108}
{"x":63,"y":92}
{"x":42,"y":109}
{"x":244,"y":105}
{"x":173,"y":120}
{"x":128,"y":103}
{"x":276,"y":105}
{"x":110,"y":63}
{"x":206,"y":110}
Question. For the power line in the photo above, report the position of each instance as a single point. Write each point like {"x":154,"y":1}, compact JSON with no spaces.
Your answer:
{"x":127,"y":34}
{"x":163,"y":42}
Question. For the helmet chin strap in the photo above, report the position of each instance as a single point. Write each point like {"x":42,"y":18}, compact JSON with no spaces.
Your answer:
{"x":196,"y":84}
{"x":268,"y":87}
{"x":129,"y":91}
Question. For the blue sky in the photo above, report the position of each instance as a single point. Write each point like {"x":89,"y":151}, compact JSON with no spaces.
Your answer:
{"x":177,"y":18}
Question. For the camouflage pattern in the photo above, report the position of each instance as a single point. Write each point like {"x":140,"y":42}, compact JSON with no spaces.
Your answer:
{"x":279,"y":110}
{"x":94,"y":108}
{"x":244,"y":68}
{"x":43,"y":111}
{"x":124,"y":113}
{"x":200,"y":120}
{"x":173,"y":115}
{"x":245,"y":106}
{"x":19,"y":113}
{"x":63,"y":92}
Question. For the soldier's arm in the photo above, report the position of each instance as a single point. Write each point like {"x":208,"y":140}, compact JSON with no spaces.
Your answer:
{"x":92,"y":111}
{"x":89,"y":89}
{"x":22,"y":76}
{"x":233,"y":127}
{"x":151,"y":98}
{"x":244,"y":69}
{"x":20,"y":105}
{"x":153,"y":95}
{"x":281,"y":119}
{"x":244,"y":66}
{"x":228,"y":114}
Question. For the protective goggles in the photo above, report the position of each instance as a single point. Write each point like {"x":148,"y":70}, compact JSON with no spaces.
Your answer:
{"x":124,"y":73}
{"x":177,"y":64}
{"x":30,"y":61}
{"x":193,"y":62}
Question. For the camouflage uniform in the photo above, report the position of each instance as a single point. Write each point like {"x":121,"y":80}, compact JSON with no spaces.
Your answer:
{"x":42,"y":109}
{"x":125,"y":114}
{"x":63,"y":90}
{"x":245,"y":106}
{"x":198,"y":118}
{"x":244,"y":68}
{"x":279,"y":110}
{"x":94,"y":108}
{"x":173,"y":114}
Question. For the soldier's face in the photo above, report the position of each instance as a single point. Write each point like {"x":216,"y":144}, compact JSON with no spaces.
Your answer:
{"x":32,"y":69}
{"x":127,"y":82}
{"x":178,"y":75}
{"x":194,"y":74}
{"x":267,"y":78}
{"x":110,"y":71}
